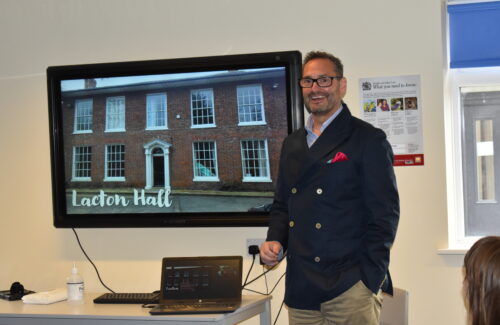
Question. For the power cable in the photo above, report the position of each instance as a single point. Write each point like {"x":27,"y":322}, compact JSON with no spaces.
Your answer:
{"x":88,"y":258}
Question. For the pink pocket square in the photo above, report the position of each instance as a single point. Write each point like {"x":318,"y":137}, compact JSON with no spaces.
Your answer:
{"x":340,"y":156}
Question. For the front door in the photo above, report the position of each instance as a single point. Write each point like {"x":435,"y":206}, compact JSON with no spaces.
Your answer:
{"x":158,"y":168}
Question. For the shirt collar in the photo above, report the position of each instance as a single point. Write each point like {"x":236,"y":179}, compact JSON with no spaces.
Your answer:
{"x":309,"y":123}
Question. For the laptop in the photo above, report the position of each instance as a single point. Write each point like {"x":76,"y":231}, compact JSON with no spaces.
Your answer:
{"x":200,"y":285}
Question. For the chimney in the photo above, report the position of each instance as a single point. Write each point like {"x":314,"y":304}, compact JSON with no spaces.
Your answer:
{"x":90,"y":83}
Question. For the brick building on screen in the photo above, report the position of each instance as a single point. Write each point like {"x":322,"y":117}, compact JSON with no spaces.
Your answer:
{"x":219,"y":132}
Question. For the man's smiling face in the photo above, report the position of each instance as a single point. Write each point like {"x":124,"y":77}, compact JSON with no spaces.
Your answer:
{"x":323,"y":101}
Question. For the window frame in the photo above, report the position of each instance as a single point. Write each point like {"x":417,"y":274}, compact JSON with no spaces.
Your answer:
{"x":108,"y":178}
{"x":89,"y":130}
{"x":254,"y":179}
{"x":262,"y":108}
{"x":120,"y":114}
{"x":215,"y":162}
{"x":457,"y":79}
{"x":75,"y":178}
{"x":207,"y":125}
{"x":165,"y":111}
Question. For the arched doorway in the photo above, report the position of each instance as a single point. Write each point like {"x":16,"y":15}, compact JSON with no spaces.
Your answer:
{"x":157,"y":164}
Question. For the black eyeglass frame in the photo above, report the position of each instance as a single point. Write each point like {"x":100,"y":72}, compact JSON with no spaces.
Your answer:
{"x":316,"y":81}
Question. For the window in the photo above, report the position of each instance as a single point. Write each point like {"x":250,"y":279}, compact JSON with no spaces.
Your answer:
{"x":255,"y":161}
{"x":83,"y":116}
{"x":202,"y":108}
{"x":472,"y":119}
{"x":205,"y":161}
{"x":115,"y":114}
{"x":481,"y":120}
{"x":82,"y":157}
{"x":250,"y":105}
{"x":473,"y":124}
{"x":156,"y":111}
{"x":115,"y":163}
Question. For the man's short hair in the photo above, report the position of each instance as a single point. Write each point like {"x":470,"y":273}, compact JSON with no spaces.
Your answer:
{"x":339,"y":67}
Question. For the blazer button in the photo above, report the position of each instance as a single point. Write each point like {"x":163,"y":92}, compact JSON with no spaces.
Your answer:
{"x":291,"y":224}
{"x":319,"y":191}
{"x":318,"y":226}
{"x":294,"y":190}
{"x":317,"y":259}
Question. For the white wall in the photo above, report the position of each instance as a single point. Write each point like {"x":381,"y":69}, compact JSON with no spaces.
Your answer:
{"x":374,"y":38}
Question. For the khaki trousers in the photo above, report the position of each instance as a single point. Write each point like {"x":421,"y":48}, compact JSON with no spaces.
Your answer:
{"x":356,"y":306}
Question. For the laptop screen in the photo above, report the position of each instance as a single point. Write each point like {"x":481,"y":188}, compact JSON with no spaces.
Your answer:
{"x":186,"y":278}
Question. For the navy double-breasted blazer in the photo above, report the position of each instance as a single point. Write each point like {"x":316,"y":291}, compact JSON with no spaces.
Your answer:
{"x":335,"y":220}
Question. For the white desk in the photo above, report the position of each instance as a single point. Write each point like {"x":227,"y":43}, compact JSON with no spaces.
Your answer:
{"x":88,"y":313}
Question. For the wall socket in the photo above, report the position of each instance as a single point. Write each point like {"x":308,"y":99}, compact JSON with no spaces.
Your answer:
{"x":253,"y":241}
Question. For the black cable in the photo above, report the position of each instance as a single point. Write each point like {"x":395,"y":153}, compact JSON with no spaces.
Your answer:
{"x":277,"y":282}
{"x":279,"y":311}
{"x":255,"y":291}
{"x":263,"y":274}
{"x":265,"y":280}
{"x":88,"y":258}
{"x":248,"y":274}
{"x":267,"y":289}
{"x":270,"y":292}
{"x":259,"y":276}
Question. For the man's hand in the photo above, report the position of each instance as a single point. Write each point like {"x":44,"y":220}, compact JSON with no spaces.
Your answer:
{"x":269,"y":252}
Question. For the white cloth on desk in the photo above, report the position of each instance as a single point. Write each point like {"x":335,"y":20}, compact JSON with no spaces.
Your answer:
{"x":46,"y":297}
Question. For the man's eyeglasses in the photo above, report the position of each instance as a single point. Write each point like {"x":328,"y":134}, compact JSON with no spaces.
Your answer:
{"x":322,"y":82}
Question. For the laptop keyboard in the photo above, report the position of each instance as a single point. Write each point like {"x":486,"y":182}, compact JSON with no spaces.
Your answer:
{"x":128,"y":298}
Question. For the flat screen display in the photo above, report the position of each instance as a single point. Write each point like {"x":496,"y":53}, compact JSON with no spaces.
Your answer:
{"x":179,"y":142}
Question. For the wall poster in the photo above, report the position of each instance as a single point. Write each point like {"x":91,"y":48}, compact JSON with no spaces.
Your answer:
{"x":394,"y":104}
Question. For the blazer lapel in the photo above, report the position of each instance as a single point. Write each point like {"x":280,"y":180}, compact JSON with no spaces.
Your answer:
{"x":334,"y":135}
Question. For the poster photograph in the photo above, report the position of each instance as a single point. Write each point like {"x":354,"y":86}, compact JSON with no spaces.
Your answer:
{"x":394,"y":104}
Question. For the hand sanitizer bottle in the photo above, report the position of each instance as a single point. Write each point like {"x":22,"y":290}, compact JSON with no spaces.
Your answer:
{"x":75,"y":285}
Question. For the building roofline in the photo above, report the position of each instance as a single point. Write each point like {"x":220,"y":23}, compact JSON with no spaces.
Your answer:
{"x":230,"y":76}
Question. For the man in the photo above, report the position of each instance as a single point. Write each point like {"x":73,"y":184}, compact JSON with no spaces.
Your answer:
{"x":336,"y":207}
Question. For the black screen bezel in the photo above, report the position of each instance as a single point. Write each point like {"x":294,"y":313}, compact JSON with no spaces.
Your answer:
{"x":291,"y":60}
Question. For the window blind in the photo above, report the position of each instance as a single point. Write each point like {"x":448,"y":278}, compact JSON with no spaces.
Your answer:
{"x":474,"y":34}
